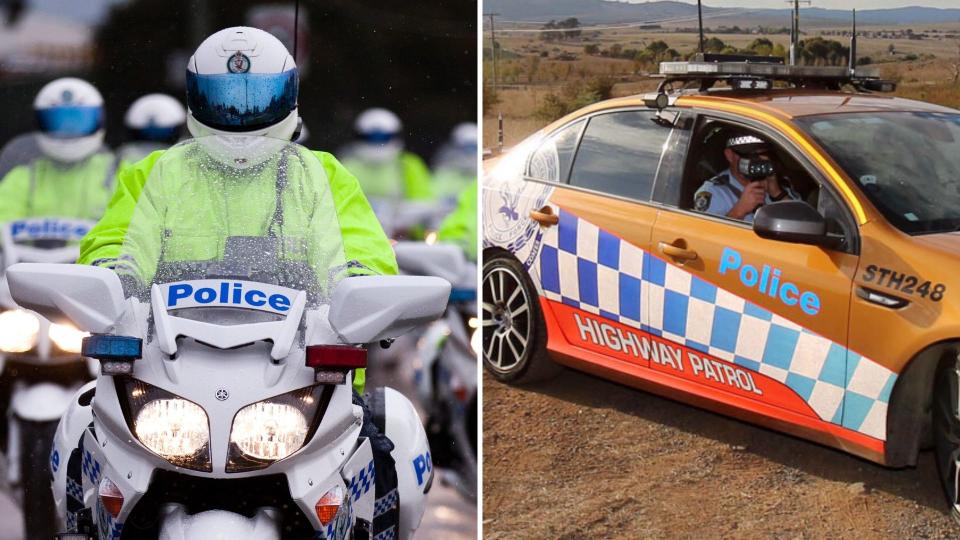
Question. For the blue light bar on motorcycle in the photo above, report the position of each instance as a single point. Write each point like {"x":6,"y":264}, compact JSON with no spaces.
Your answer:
{"x":105,"y":347}
{"x":462,"y":295}
{"x":116,"y":353}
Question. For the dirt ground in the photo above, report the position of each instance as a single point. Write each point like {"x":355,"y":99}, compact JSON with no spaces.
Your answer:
{"x":580,"y":457}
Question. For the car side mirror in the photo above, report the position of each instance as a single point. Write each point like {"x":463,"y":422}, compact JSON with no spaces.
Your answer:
{"x":792,"y":221}
{"x":89,"y":296}
{"x":368,"y":309}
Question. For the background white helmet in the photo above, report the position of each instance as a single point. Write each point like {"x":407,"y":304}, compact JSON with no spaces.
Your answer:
{"x":155,"y":117}
{"x":464,"y":135}
{"x":378,"y":134}
{"x":70,"y":116}
{"x":378,"y":126}
{"x":242,"y":80}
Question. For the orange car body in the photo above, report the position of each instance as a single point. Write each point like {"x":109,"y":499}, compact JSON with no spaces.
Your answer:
{"x":776,"y":333}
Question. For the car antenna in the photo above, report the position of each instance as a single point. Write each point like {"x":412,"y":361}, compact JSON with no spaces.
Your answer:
{"x":700,"y":23}
{"x":853,"y":44}
{"x":296,"y":28}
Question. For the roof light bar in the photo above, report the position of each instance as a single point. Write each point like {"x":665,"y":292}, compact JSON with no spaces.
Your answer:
{"x":737,"y":69}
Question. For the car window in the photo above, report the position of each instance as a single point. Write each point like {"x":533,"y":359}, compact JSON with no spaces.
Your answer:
{"x":619,"y":154}
{"x":551,"y":161}
{"x":907,"y":163}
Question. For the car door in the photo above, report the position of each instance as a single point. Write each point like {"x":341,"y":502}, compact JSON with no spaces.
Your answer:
{"x":592,"y":262}
{"x":761,"y":323}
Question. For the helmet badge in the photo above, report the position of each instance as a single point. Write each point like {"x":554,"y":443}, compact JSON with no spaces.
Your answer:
{"x":67,"y":97}
{"x":238,"y":63}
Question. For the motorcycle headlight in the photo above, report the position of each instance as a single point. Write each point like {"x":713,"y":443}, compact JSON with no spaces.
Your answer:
{"x":18,"y":331}
{"x":270,"y":430}
{"x":67,"y":338}
{"x":171,"y":427}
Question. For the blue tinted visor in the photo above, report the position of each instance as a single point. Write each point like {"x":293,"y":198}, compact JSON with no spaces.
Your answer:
{"x":156,"y":133}
{"x":69,"y":122}
{"x":242,"y":101}
{"x":378,"y":137}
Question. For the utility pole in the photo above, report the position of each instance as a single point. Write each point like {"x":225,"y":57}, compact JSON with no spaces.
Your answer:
{"x":493,"y":48}
{"x":795,"y":29}
{"x":853,"y":45}
{"x":493,"y":53}
{"x":700,"y":23}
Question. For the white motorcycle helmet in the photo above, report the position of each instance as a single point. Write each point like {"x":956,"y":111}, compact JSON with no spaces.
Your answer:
{"x":464,"y":136}
{"x":242,"y":87}
{"x":155,"y":118}
{"x":69,"y":113}
{"x":379,"y":134}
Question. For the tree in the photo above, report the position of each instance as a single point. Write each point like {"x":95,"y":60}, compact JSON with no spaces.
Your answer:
{"x":761,"y":46}
{"x":591,"y":49}
{"x":714,"y":44}
{"x":657,"y":47}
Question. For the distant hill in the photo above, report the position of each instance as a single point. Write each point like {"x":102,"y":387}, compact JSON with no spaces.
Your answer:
{"x":668,"y":12}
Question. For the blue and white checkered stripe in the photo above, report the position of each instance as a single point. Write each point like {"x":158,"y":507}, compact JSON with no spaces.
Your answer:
{"x":386,"y":503}
{"x":91,"y":468}
{"x":361,"y":483}
{"x":643,"y":291}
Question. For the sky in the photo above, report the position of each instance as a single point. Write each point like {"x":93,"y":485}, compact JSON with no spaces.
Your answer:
{"x":828,"y":4}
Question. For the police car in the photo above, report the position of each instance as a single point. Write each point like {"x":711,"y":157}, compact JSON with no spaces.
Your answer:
{"x":827,"y":313}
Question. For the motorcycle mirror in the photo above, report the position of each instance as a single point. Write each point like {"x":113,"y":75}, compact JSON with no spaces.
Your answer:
{"x":88,"y":296}
{"x":440,"y":260}
{"x":368,"y":309}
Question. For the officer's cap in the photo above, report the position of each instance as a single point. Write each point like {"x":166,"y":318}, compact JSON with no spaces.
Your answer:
{"x":745,"y":144}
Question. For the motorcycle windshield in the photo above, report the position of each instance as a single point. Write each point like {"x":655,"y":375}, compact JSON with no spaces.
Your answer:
{"x":236,"y":208}
{"x":20,"y":150}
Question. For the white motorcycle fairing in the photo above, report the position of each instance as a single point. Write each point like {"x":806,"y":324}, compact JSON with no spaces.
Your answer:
{"x":332,"y":458}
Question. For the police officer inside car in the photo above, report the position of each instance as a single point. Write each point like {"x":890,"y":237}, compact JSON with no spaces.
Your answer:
{"x":751,"y":181}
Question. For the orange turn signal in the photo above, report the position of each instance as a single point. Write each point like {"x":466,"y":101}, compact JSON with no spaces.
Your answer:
{"x":110,"y":497}
{"x":328,"y":505}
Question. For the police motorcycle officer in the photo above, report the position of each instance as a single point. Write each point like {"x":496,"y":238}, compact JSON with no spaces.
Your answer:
{"x":749,"y":182}
{"x":73,"y":174}
{"x":379,"y":160}
{"x":455,"y":164}
{"x":397,"y":182}
{"x":57,"y":181}
{"x":227,"y":79}
{"x":153,"y":122}
{"x":447,"y":351}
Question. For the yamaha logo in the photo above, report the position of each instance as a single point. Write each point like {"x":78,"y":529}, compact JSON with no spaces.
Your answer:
{"x":238,"y":63}
{"x":222,"y":394}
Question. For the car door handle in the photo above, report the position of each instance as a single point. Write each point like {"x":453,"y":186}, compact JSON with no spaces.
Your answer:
{"x":545,"y":216}
{"x":675,"y":252}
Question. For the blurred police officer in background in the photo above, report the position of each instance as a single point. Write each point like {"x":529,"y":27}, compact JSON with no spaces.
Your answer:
{"x":153,"y":122}
{"x":378,"y":159}
{"x":73,"y":175}
{"x":455,"y":165}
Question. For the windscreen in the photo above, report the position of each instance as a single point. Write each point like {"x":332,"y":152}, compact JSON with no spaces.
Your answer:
{"x":240,"y":208}
{"x":20,"y":150}
{"x":907,"y":163}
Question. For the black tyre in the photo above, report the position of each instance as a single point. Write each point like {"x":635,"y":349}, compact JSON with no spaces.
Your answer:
{"x":514,"y":334}
{"x":39,"y":514}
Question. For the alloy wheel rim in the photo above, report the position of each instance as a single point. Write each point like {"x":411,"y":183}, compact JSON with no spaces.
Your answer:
{"x":506,"y":320}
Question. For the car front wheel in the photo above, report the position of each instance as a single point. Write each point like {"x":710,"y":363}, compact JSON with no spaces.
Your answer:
{"x":514,"y":333}
{"x":946,"y":432}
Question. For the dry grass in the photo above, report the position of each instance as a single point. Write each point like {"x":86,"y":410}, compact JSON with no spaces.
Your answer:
{"x":527,"y":79}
